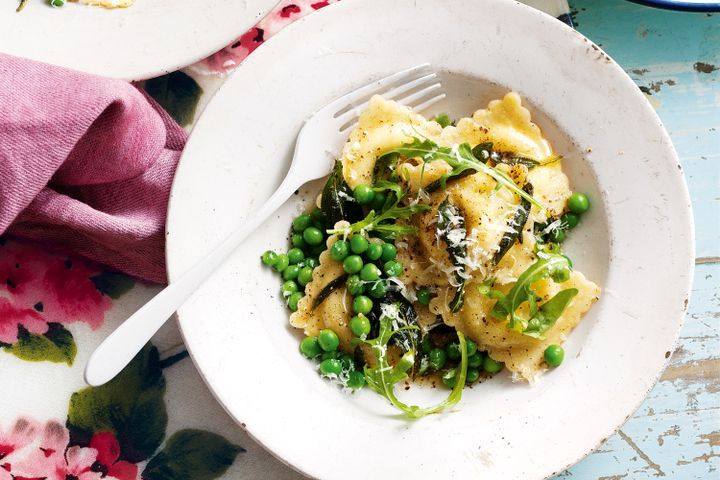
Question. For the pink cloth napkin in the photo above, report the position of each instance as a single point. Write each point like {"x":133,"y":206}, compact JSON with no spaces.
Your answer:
{"x":86,"y":162}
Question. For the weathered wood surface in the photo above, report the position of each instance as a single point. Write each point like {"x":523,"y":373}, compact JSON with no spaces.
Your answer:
{"x":675,"y":58}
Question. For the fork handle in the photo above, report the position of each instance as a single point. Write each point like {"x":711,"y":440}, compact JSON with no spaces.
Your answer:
{"x":119,"y":348}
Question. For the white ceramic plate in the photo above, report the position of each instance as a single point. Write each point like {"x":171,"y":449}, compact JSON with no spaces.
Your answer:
{"x":151,"y":38}
{"x":637,"y":242}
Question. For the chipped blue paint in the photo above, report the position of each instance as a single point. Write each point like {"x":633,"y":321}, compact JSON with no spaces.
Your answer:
{"x":676,"y":432}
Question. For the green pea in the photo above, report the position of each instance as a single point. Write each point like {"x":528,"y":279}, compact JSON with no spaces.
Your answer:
{"x":424,"y":296}
{"x":472,"y":376}
{"x":311,"y":262}
{"x":378,"y":289}
{"x":316,"y":250}
{"x":291,"y":272}
{"x":492,"y":366}
{"x":370,"y":272}
{"x":470,"y":347}
{"x":364,"y":194}
{"x":449,"y":378}
{"x":453,"y":351}
{"x":355,"y":380}
{"x":362,"y":304}
{"x":309,"y":347}
{"x":355,"y":286}
{"x":353,"y":264}
{"x":57,"y":3}
{"x":578,"y":203}
{"x":281,"y":263}
{"x":475,"y":360}
{"x":339,"y":250}
{"x":288,"y":288}
{"x":331,"y":366}
{"x":406,"y":362}
{"x":393,"y":268}
{"x":301,"y":222}
{"x":557,"y":235}
{"x":360,"y":326}
{"x":442,"y":119}
{"x":295,"y":256}
{"x":554,"y":355}
{"x":298,"y":241}
{"x":562,"y":275}
{"x":571,"y":219}
{"x":293,"y":301}
{"x":305,"y":276}
{"x":379,"y":201}
{"x":437,"y":358}
{"x":374,"y":251}
{"x":329,"y":340}
{"x":313,"y":236}
{"x":389,"y":252}
{"x":269,"y":258}
{"x":358,"y":244}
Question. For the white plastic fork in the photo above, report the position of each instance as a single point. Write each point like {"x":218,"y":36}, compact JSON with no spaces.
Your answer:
{"x":326,"y":130}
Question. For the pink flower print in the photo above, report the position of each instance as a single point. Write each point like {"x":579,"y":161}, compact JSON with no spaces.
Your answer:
{"x":12,"y":317}
{"x":108,"y":452}
{"x":59,"y":289}
{"x":69,"y":294}
{"x":230,"y":57}
{"x":48,"y":457}
{"x":283,"y":14}
{"x":78,"y":465}
{"x":288,"y":10}
{"x":14,"y":442}
{"x":18,"y":267}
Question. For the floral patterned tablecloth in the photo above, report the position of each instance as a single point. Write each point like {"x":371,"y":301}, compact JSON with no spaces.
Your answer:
{"x":157,"y":420}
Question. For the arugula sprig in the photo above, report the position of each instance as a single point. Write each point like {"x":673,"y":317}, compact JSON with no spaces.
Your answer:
{"x":384,"y":222}
{"x":461,"y":159}
{"x":541,"y":318}
{"x":383,"y":377}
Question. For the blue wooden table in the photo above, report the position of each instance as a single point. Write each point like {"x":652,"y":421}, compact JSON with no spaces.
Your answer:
{"x":674,"y":58}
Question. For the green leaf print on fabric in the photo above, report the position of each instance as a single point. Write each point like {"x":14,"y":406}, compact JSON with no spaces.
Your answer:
{"x":192,"y":455}
{"x":56,"y":345}
{"x":177,"y":93}
{"x":113,"y":284}
{"x":131,"y":406}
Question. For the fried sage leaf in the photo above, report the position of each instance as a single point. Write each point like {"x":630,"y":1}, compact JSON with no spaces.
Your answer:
{"x":451,"y":230}
{"x":516,"y":223}
{"x":329,"y":288}
{"x":402,"y":314}
{"x":337,"y":201}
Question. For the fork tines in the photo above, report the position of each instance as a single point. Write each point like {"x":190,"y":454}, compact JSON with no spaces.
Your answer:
{"x":416,"y":87}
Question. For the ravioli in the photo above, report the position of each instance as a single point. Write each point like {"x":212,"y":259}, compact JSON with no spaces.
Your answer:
{"x":334,"y":311}
{"x":487,"y":210}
